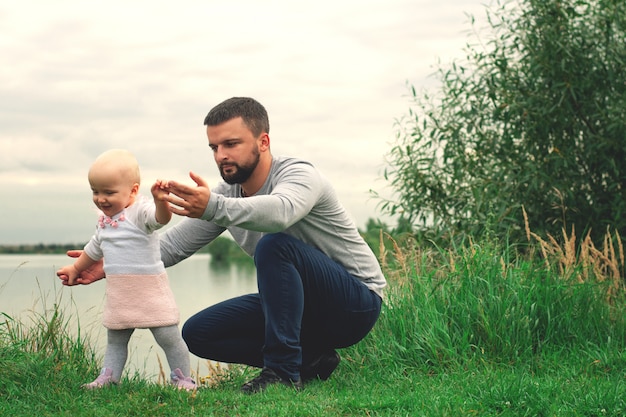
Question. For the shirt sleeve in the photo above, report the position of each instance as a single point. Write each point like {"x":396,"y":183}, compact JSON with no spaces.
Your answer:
{"x":93,"y":249}
{"x":295,"y":191}
{"x":186,"y":238}
{"x":145,"y":215}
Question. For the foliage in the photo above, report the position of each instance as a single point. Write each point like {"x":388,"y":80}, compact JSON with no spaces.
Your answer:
{"x":376,"y":233}
{"x":536,"y":116}
{"x":224,"y":250}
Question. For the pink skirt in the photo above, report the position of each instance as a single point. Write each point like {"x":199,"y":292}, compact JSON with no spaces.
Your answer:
{"x":139,"y":301}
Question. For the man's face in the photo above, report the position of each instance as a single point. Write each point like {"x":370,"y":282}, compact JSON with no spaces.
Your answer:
{"x":235,"y":149}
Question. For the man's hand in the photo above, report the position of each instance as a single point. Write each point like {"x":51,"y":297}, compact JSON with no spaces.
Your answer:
{"x":188,"y":200}
{"x":92,"y":274}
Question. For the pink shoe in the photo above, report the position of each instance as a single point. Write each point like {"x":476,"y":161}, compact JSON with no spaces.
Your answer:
{"x":103,"y":380}
{"x":181,"y":381}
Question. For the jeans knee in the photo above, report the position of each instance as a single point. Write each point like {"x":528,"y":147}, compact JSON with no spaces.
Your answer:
{"x":270,"y":244}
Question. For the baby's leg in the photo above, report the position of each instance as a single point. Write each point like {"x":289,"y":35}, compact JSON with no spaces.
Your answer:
{"x":176,"y":351}
{"x":117,"y":351}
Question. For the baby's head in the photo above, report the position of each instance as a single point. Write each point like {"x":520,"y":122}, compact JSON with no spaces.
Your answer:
{"x":114,"y":179}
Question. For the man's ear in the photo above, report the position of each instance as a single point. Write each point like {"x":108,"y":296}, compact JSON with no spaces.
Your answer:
{"x":264,"y":141}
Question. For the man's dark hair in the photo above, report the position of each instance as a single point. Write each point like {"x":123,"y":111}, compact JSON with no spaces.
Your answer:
{"x":251,"y":111}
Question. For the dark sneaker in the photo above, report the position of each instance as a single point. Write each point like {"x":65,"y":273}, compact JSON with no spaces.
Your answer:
{"x":321,"y":367}
{"x":266,"y":378}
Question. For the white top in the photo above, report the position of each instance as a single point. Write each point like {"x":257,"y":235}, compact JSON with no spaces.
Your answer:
{"x":126,"y":241}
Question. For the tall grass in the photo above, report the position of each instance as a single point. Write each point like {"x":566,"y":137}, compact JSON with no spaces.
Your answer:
{"x":42,"y":349}
{"x":492,"y":303}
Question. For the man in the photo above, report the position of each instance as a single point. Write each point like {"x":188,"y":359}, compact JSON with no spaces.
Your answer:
{"x":320,"y":286}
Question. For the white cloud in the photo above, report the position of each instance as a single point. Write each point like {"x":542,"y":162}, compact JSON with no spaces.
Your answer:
{"x":80,"y":77}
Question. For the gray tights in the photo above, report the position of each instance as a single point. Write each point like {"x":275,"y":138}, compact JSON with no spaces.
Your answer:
{"x":168,"y":337}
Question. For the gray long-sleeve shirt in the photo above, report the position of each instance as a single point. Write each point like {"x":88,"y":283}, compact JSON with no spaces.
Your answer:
{"x":295,"y":199}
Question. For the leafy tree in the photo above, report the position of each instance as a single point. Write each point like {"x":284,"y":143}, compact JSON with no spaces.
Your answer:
{"x":534,"y":118}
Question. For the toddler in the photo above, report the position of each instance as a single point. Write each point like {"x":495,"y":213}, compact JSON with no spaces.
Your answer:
{"x":137,"y":289}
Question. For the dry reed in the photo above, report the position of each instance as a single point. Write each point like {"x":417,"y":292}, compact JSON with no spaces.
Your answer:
{"x":589,"y":262}
{"x":578,"y":261}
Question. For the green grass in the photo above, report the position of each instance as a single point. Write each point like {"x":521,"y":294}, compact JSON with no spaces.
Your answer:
{"x":477,"y":332}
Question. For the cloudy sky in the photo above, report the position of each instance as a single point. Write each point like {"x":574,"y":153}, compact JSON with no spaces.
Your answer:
{"x":79,"y":77}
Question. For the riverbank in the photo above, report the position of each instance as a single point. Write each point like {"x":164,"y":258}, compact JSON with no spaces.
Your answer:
{"x":478,"y":332}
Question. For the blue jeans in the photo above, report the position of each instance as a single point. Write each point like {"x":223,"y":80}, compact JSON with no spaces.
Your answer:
{"x":307,"y":305}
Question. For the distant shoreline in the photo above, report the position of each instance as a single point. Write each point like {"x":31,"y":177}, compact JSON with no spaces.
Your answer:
{"x":39,"y":248}
{"x":62,"y":248}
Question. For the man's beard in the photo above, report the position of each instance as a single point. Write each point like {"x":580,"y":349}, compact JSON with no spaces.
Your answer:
{"x":242,"y":172}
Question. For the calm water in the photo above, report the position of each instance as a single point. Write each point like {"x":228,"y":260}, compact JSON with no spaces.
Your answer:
{"x":28,"y":286}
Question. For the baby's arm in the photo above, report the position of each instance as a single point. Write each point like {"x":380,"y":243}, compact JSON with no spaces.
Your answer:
{"x":163,"y":214}
{"x":73,"y":271}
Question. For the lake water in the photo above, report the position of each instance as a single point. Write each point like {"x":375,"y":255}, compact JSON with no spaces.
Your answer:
{"x":29,"y":287}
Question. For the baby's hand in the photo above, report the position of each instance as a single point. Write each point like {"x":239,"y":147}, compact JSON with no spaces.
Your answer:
{"x":160,"y":189}
{"x":68,"y":274}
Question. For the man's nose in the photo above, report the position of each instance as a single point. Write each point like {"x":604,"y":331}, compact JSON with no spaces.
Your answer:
{"x":220,"y":155}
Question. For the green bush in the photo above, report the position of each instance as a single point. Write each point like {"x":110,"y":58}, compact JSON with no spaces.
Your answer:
{"x":536,"y":116}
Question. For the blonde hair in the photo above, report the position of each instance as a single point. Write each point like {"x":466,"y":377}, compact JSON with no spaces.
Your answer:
{"x":121,"y":161}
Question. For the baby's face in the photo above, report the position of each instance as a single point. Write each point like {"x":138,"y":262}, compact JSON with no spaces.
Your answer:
{"x":111,"y":193}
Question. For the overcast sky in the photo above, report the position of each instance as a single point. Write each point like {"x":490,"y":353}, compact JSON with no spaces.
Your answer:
{"x":79,"y":77}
